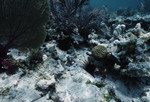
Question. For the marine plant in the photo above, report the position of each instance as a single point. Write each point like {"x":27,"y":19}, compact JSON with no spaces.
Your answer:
{"x":109,"y":96}
{"x":73,"y":16}
{"x":34,"y":59}
{"x":22,"y":24}
{"x":99,"y":84}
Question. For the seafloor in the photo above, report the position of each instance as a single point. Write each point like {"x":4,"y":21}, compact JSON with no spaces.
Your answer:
{"x":105,"y":68}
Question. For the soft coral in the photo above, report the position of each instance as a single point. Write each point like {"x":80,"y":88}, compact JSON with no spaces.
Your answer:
{"x":5,"y":63}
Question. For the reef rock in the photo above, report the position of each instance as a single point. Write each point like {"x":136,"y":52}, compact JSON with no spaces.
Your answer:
{"x":131,"y":52}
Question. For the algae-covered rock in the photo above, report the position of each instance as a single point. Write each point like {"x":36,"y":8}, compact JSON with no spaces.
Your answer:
{"x":99,"y":52}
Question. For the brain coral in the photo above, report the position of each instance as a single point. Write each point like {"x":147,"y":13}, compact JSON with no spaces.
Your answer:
{"x":99,"y":52}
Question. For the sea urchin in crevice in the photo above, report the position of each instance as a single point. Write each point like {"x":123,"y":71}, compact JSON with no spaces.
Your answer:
{"x":89,"y":66}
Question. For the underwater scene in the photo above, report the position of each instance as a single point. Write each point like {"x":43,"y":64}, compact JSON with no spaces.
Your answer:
{"x":74,"y":50}
{"x":116,"y":4}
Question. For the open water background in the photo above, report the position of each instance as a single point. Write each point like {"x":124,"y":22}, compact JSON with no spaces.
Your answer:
{"x":116,"y":4}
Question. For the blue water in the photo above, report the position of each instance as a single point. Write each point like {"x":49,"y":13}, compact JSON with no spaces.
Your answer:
{"x":115,"y":4}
